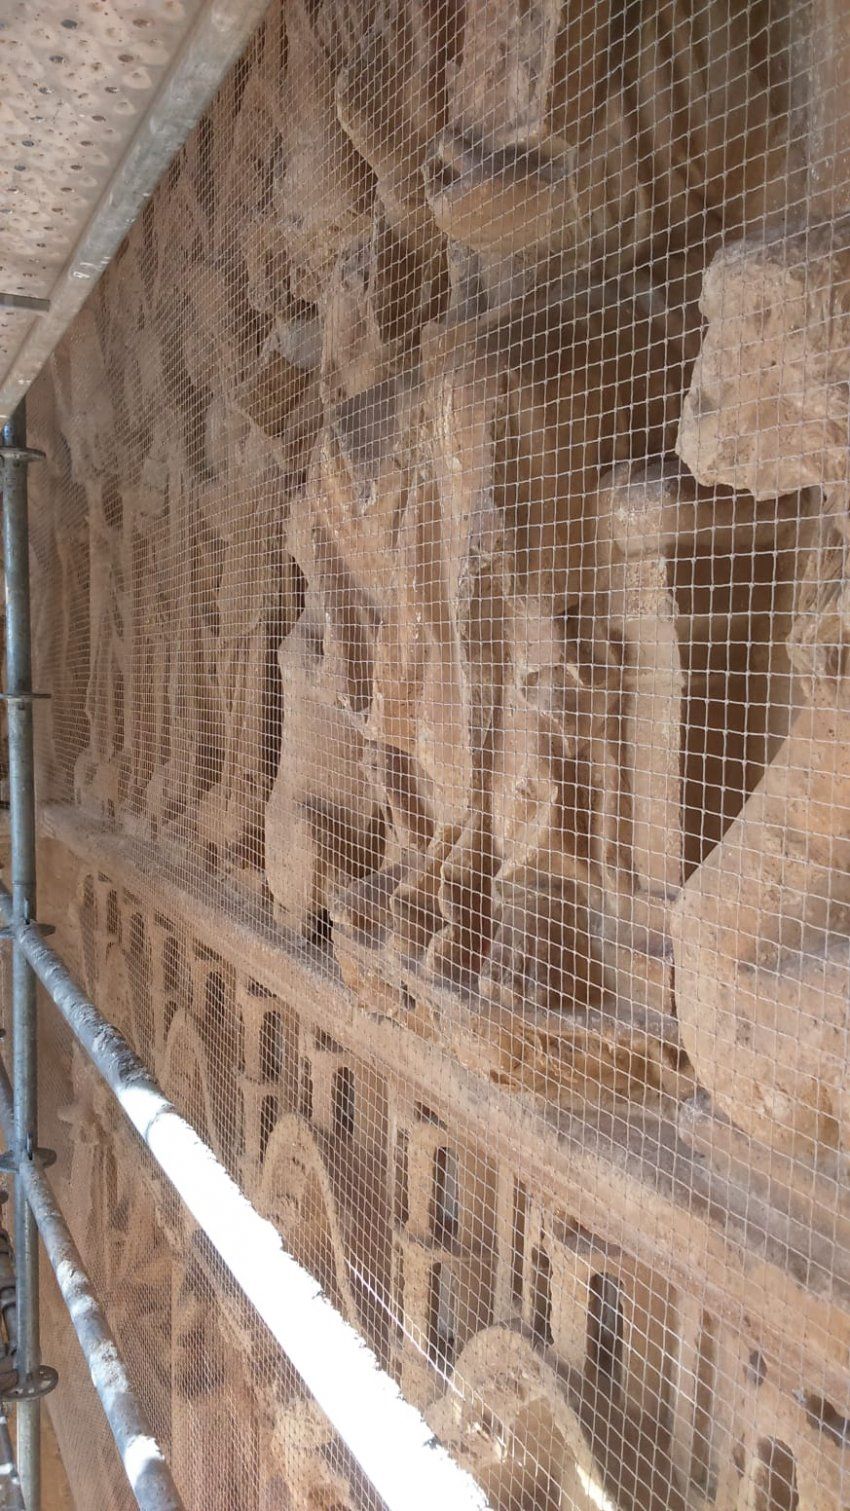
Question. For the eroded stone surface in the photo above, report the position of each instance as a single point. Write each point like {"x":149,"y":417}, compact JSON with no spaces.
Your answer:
{"x":767,"y":407}
{"x":761,"y":928}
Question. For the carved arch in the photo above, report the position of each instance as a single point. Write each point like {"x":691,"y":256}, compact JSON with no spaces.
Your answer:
{"x":526,"y":1446}
{"x":185,"y":1080}
{"x":297,"y":1195}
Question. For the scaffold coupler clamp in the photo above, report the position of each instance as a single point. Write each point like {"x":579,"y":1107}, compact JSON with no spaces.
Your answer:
{"x":25,"y":454}
{"x":39,"y":1156}
{"x":10,"y":930}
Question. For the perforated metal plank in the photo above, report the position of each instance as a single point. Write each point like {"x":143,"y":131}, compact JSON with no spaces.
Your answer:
{"x":96,"y":96}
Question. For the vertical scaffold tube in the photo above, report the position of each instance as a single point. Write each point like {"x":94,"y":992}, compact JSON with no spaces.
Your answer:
{"x":11,"y":1496}
{"x":22,"y":855}
{"x":142,"y":1458}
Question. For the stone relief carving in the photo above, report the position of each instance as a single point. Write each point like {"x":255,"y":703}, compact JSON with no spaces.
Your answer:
{"x":430,"y":620}
{"x":466,"y":621}
{"x":551,"y":1361}
{"x":405,"y":624}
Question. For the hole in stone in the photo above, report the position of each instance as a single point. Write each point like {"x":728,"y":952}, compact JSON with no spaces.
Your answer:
{"x":136,"y":941}
{"x":605,"y":1327}
{"x":218,"y":1007}
{"x":271,"y":1047}
{"x":402,"y":1204}
{"x":518,"y":1239}
{"x":825,"y":1417}
{"x":239,"y":1132}
{"x":171,"y":971}
{"x":424,"y":1114}
{"x":398,"y":1307}
{"x":701,"y":1467}
{"x":268,"y":1118}
{"x":113,"y":917}
{"x":342,"y":1102}
{"x":442,"y":1317}
{"x":776,"y":1478}
{"x":305,"y":1096}
{"x":322,"y":928}
{"x":541,"y":1295}
{"x":325,"y":1042}
{"x":445,"y":1198}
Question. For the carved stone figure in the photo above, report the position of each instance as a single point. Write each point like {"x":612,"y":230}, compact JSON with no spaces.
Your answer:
{"x":485,"y":509}
{"x":761,"y":929}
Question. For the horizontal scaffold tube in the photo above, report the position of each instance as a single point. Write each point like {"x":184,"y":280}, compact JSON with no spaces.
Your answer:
{"x":143,"y":1459}
{"x":388,"y":1437}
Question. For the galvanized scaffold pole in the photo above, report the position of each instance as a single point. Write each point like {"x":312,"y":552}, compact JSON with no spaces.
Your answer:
{"x":19,"y":695}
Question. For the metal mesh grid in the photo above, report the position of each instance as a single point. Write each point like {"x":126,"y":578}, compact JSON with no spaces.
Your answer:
{"x":440,"y":582}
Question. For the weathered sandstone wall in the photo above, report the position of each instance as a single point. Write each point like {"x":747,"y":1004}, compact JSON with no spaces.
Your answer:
{"x":441,"y":564}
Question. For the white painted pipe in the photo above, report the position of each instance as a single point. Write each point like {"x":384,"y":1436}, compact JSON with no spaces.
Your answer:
{"x":142,"y":1458}
{"x":388,"y":1437}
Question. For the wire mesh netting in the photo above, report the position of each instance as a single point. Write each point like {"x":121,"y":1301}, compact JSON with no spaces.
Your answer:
{"x":441,"y":584}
